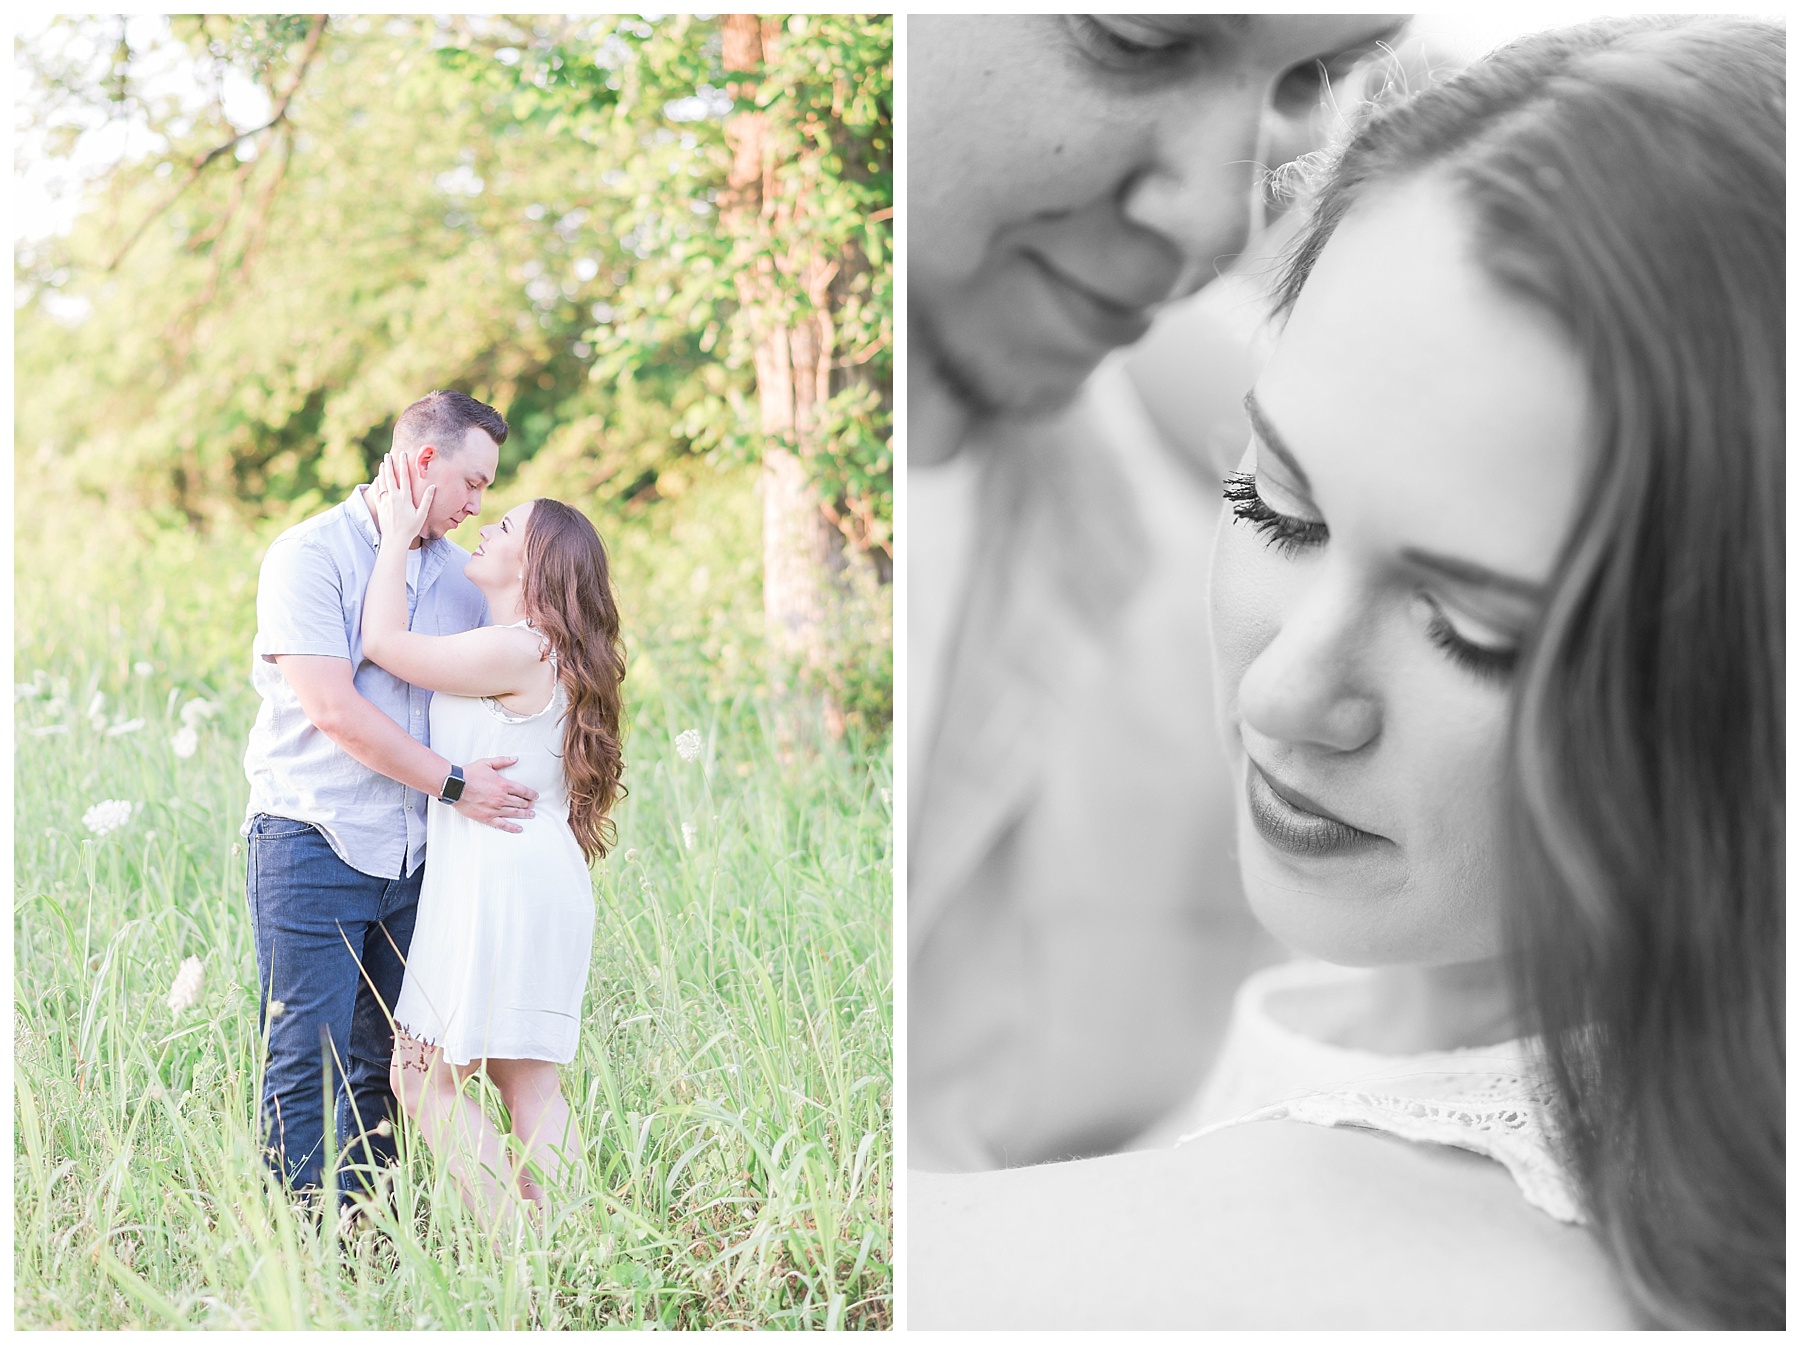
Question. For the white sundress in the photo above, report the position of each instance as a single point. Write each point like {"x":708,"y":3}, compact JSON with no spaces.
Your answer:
{"x":504,"y":935}
{"x":1488,"y":1100}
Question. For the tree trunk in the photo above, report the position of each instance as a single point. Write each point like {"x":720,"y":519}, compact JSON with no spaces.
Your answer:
{"x":801,"y":550}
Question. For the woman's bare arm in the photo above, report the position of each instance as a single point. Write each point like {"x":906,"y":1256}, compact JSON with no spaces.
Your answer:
{"x":1263,"y":1225}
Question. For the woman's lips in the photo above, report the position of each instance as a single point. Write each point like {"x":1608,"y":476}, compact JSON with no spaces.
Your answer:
{"x":1295,"y":825}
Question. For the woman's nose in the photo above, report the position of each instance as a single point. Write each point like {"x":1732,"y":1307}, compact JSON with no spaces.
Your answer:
{"x":1311,"y":683}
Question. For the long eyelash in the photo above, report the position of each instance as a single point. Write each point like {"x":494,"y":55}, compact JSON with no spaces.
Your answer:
{"x":1493,"y":664}
{"x":1286,"y":534}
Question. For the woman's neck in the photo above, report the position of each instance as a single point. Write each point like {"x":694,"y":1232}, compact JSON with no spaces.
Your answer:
{"x":506,"y":607}
{"x":1409,"y":1010}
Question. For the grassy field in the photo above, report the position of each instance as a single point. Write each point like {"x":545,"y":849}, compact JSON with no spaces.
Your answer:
{"x":734,"y":1081}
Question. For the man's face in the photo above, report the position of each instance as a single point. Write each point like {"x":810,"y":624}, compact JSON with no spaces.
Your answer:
{"x":460,"y":477}
{"x":1070,"y":173}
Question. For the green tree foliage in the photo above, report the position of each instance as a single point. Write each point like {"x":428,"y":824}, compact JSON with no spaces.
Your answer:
{"x":524,"y":208}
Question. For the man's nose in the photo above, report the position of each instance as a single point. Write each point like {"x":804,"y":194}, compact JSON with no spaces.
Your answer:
{"x":1198,"y":189}
{"x":1310,"y":684}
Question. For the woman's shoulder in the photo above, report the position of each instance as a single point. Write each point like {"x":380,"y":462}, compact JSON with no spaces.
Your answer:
{"x":1395,"y":1232}
{"x":1264,"y":1225}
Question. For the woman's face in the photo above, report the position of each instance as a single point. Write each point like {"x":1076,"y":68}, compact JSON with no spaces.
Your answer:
{"x":1415,"y":465}
{"x":501,"y":556}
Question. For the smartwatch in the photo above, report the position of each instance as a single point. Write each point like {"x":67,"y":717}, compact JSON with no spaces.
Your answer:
{"x":453,"y":786}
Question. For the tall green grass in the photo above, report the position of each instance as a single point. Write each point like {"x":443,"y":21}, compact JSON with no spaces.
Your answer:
{"x":733,"y":1084}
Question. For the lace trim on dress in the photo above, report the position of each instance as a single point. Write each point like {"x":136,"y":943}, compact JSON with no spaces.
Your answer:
{"x":1487,"y":1100}
{"x":1505,"y":1128}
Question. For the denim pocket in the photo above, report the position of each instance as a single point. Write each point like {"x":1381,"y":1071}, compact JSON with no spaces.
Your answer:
{"x":267,"y":827}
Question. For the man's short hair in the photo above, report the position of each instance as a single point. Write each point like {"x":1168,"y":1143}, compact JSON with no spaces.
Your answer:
{"x":444,"y":419}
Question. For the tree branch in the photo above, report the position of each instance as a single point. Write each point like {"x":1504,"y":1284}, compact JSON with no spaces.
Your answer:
{"x":199,"y":165}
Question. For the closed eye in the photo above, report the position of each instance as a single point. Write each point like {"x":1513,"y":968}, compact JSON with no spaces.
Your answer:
{"x":1285,"y":532}
{"x":1108,"y":41}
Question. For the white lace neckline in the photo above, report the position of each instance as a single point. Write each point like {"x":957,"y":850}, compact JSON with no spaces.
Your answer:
{"x":1487,"y":1099}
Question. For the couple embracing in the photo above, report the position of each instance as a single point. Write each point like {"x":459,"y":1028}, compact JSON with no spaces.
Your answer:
{"x":431,"y":770}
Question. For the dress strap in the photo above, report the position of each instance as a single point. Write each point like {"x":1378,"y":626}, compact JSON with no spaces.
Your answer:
{"x":549,"y":648}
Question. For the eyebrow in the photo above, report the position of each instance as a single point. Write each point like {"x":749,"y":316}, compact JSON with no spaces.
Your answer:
{"x":1468,"y":573}
{"x":1259,"y":423}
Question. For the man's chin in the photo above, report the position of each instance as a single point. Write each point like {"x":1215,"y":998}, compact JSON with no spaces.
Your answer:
{"x":994,"y":385}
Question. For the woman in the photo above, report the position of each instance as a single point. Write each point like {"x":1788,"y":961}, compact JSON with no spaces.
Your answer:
{"x":499,"y":957}
{"x":1498,"y":627}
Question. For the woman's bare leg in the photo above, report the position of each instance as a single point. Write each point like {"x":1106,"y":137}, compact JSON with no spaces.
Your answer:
{"x":541,"y":1122}
{"x":465,"y":1141}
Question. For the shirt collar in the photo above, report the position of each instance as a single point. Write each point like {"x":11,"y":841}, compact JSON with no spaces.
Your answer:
{"x":358,"y":508}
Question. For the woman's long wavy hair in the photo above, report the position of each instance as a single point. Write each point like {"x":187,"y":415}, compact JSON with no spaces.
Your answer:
{"x":1628,"y":177}
{"x":569,"y":598}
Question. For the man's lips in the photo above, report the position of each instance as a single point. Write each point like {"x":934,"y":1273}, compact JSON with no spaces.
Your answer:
{"x":1106,"y":320}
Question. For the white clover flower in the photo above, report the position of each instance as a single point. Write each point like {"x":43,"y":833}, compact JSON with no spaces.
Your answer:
{"x":687,"y":742}
{"x":125,"y":726}
{"x":143,"y":668}
{"x":196,"y":711}
{"x":276,"y":1008}
{"x":688,"y":834}
{"x":185,"y":993}
{"x":631,"y":856}
{"x":384,"y":1127}
{"x":184,"y":741}
{"x":107,"y":815}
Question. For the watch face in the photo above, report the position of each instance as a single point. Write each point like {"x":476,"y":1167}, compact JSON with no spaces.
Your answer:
{"x":453,"y":788}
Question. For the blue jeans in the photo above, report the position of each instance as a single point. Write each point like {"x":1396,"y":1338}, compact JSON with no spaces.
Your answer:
{"x":331,"y":945}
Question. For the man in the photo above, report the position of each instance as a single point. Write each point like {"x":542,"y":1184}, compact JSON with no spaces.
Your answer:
{"x":1074,"y":925}
{"x":341,"y":779}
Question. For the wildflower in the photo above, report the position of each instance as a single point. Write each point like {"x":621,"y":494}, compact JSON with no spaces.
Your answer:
{"x":384,"y":1127}
{"x":185,"y":993}
{"x":687,"y":834}
{"x":143,"y":669}
{"x":125,"y":726}
{"x":184,"y":741}
{"x":196,"y":711}
{"x":276,"y":1008}
{"x":687,"y":742}
{"x":107,"y":815}
{"x":631,"y":856}
{"x":24,"y":691}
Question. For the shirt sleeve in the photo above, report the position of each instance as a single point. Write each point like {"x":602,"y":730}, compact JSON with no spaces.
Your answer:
{"x":300,"y":603}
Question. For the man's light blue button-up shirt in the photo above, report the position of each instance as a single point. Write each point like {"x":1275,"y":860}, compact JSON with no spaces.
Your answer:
{"x":309,"y":600}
